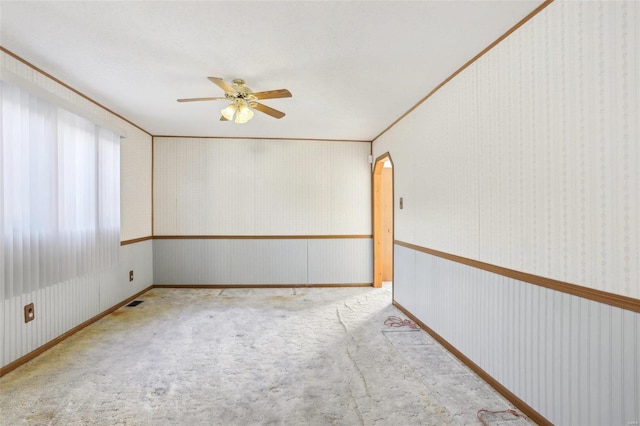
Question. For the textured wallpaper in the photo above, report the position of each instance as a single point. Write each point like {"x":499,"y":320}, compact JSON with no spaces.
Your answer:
{"x":530,"y":158}
{"x":261,"y":187}
{"x":135,"y":185}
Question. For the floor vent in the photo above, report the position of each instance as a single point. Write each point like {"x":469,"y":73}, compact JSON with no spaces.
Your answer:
{"x":135,"y":303}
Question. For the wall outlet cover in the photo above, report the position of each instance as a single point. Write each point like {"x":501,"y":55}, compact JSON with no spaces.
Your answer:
{"x":29,"y":313}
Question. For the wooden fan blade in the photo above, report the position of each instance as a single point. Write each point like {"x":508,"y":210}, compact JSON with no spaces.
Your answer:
{"x":221,"y":84}
{"x":269,"y":111}
{"x":272,"y":94}
{"x":223,"y":118}
{"x":200,"y":99}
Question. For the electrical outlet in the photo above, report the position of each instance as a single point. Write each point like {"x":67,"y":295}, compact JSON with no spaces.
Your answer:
{"x":29,"y":313}
{"x":130,"y":275}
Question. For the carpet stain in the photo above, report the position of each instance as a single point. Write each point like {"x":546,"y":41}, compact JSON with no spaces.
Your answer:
{"x":247,"y":357}
{"x":39,"y":418}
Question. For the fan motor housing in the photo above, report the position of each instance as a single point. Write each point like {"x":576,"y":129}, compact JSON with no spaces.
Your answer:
{"x":239,"y":86}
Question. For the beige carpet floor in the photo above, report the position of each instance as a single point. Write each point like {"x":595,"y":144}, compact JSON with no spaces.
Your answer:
{"x":311,"y":356}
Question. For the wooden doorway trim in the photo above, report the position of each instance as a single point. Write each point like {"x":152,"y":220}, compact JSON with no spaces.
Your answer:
{"x":383,"y":221}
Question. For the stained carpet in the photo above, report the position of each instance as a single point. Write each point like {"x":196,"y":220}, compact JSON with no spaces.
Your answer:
{"x":312,"y":356}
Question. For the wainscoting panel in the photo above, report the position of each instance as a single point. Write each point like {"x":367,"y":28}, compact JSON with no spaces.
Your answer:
{"x":63,"y":306}
{"x":340,"y":261}
{"x":256,"y":261}
{"x":573,"y":360}
{"x":404,"y":270}
{"x":58,"y":308}
{"x":136,"y":257}
{"x":230,"y":261}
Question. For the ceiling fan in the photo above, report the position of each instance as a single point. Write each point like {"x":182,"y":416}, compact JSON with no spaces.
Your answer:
{"x":243,"y":99}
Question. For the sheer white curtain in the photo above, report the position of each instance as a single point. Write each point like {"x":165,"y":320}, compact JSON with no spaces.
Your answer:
{"x":60,"y":194}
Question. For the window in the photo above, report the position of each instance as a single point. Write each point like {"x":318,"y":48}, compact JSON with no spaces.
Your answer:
{"x":60,"y":193}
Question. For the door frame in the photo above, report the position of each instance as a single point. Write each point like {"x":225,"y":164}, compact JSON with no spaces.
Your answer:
{"x":378,"y":231}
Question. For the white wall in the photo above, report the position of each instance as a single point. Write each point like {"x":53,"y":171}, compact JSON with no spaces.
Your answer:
{"x":61,"y":307}
{"x":135,"y":185}
{"x":261,"y":187}
{"x":258,"y":188}
{"x":529,"y":159}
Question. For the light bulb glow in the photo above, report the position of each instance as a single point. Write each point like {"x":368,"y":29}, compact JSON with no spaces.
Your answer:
{"x":244,"y":113}
{"x":229,"y":111}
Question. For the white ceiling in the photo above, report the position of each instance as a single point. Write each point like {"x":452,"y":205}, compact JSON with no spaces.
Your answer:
{"x":353,"y":67}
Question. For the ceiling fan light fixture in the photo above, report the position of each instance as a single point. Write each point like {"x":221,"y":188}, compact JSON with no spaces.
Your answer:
{"x":229,"y":111}
{"x":244,"y":113}
{"x":243,"y":101}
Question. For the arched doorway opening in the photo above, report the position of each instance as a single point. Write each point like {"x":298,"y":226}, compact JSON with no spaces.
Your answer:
{"x":382,"y":220}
